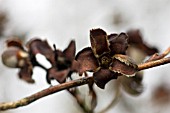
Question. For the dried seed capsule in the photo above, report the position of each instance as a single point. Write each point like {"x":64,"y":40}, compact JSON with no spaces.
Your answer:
{"x":14,"y":57}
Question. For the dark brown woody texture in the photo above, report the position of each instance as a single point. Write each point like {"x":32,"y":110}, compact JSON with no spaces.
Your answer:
{"x":106,"y":57}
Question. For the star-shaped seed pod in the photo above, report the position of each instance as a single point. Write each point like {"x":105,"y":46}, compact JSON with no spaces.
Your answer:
{"x":63,"y":63}
{"x":106,"y":57}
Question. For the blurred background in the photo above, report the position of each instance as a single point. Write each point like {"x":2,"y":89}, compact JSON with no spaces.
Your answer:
{"x":62,"y":20}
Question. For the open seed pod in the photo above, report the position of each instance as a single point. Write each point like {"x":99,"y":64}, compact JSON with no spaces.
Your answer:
{"x":124,"y":65}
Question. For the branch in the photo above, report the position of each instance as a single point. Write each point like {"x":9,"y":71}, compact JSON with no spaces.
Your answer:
{"x":155,"y":63}
{"x":45,"y":92}
{"x":156,"y":56}
{"x":70,"y":84}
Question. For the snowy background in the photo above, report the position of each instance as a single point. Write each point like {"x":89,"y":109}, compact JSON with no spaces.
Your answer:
{"x":59,"y":21}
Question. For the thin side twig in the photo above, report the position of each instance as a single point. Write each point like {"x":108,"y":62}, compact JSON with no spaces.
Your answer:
{"x":67,"y":85}
{"x":155,"y":63}
{"x":156,"y":56}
